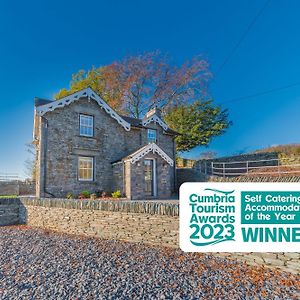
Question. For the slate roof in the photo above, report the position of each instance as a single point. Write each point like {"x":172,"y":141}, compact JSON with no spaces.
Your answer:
{"x":41,"y":101}
{"x":129,"y":155}
{"x":135,"y":122}
{"x":150,"y":147}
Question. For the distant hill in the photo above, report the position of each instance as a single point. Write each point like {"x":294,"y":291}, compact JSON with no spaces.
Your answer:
{"x":289,"y":149}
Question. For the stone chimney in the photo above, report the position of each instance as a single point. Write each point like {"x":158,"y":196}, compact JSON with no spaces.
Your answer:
{"x":153,"y":111}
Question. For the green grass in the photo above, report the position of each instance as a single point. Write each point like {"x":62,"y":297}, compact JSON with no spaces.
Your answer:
{"x":8,"y":197}
{"x":289,"y":149}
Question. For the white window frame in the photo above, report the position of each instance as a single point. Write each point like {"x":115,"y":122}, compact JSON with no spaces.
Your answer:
{"x":85,"y":125}
{"x":149,"y":138}
{"x":89,"y":159}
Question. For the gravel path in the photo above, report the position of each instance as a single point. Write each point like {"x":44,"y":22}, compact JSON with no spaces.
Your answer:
{"x":35,"y":264}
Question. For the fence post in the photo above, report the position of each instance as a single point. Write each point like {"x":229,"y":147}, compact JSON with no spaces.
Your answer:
{"x":247,"y":165}
{"x":223,"y":170}
{"x":212,"y":168}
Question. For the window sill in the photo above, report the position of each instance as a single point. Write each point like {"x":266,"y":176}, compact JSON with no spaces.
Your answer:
{"x":86,"y":181}
{"x":87,"y":137}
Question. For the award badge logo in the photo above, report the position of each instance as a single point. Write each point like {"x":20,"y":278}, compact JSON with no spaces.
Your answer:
{"x":240,"y":217}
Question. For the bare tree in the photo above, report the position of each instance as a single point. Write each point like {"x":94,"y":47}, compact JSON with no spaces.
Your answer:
{"x":150,"y":79}
{"x":30,"y":162}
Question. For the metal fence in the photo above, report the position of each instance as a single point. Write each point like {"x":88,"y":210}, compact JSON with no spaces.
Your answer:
{"x":9,"y":177}
{"x":250,"y":167}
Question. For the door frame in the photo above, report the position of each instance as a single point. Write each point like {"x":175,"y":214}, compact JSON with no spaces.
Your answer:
{"x":154,"y":176}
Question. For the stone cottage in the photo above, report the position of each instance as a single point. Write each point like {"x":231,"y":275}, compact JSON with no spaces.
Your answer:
{"x":83,"y":144}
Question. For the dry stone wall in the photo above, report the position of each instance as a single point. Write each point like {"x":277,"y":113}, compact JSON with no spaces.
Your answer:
{"x":26,"y":188}
{"x":286,"y":261}
{"x":154,"y":223}
{"x":9,"y":211}
{"x":189,"y":175}
{"x":131,"y":227}
{"x":8,"y":188}
{"x":148,"y":222}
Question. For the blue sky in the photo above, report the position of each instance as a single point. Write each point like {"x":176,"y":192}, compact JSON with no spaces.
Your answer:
{"x":44,"y":42}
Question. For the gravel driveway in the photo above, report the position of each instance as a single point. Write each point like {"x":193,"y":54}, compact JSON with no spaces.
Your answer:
{"x":35,"y":264}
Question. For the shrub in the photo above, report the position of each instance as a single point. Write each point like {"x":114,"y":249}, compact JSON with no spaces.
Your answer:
{"x":84,"y":195}
{"x":93,"y":196}
{"x":105,"y":194}
{"x":116,"y":194}
{"x":70,"y":196}
{"x":98,"y":193}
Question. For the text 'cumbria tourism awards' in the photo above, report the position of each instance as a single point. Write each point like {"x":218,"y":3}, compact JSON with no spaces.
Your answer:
{"x":240,"y":217}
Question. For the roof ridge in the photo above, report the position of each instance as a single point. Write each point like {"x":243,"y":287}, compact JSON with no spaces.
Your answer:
{"x":125,"y":121}
{"x":88,"y":93}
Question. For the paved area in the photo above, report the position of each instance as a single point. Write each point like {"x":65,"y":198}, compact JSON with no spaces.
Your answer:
{"x":35,"y":264}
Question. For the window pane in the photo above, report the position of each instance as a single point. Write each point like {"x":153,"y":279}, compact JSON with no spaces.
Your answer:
{"x":86,"y":125}
{"x":85,"y":168}
{"x":81,"y":176}
{"x":89,"y":174}
{"x":151,"y":134}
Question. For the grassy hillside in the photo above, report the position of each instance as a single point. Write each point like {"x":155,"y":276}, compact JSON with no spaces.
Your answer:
{"x":290,"y":149}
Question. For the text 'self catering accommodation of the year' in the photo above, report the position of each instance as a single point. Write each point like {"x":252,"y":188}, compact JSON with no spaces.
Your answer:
{"x":83,"y":144}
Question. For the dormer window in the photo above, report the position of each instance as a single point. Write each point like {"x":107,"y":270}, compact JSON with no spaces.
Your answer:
{"x":86,"y":126}
{"x":151,"y":135}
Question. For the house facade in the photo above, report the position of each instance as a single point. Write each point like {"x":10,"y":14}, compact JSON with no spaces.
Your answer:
{"x":83,"y":144}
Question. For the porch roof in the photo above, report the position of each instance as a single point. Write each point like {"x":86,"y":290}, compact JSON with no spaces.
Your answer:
{"x":141,"y":152}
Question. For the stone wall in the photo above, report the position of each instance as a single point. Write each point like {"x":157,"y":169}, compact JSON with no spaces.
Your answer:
{"x":17,"y":188}
{"x":184,"y":162}
{"x":189,"y":175}
{"x":9,"y":211}
{"x":26,"y":188}
{"x":286,"y":261}
{"x":9,"y":188}
{"x":154,"y":223}
{"x":118,"y":177}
